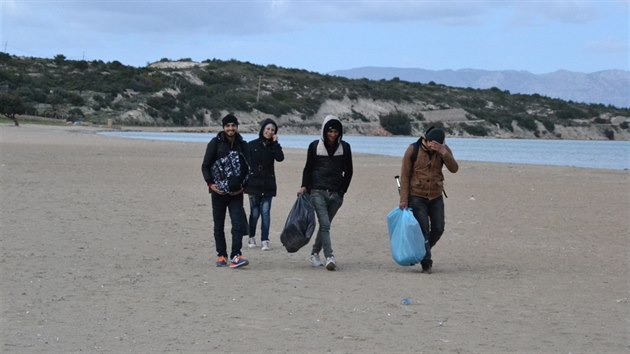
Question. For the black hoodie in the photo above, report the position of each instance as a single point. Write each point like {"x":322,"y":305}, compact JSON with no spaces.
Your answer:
{"x":328,"y":167}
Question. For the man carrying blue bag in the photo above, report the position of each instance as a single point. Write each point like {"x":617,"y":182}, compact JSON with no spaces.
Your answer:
{"x":422,"y":186}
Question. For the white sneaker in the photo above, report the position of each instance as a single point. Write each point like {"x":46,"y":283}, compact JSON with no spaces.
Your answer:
{"x":265,"y":246}
{"x":315,"y":261}
{"x":330,"y":263}
{"x":252,"y":242}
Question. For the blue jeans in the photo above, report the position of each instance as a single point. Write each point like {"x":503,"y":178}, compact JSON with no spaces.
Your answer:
{"x":233,"y":204}
{"x":259,"y":206}
{"x":326,"y":205}
{"x":430,"y":216}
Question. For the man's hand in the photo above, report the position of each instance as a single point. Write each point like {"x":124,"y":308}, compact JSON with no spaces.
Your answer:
{"x":437,"y":147}
{"x":302,"y":190}
{"x":403,"y":205}
{"x":213,"y":187}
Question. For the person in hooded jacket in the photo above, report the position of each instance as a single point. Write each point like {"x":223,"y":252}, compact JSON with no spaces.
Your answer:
{"x":422,"y":186}
{"x":227,"y":194}
{"x":326,"y":178}
{"x":261,"y":185}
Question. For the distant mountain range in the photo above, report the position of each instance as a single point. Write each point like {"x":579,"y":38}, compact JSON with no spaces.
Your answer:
{"x":609,"y":87}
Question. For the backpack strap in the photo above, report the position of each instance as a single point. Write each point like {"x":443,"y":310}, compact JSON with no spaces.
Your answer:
{"x":414,"y":155}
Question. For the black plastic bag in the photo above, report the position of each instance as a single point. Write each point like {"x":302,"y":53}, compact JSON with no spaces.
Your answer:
{"x":299,"y":226}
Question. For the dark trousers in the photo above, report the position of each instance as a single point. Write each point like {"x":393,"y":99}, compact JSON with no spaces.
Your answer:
{"x":430,"y":216}
{"x":233,"y":204}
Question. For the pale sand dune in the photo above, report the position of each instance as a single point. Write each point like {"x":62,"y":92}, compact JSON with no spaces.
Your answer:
{"x":107,"y":247}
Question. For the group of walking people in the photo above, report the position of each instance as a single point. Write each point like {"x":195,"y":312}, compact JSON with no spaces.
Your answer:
{"x":232,"y":167}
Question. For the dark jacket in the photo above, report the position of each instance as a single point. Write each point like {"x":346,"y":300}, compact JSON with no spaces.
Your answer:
{"x":328,"y":167}
{"x":219,"y":147}
{"x":263,"y":153}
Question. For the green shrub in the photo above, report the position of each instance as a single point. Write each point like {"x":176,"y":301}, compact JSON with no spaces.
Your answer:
{"x":215,"y":114}
{"x":270,"y":105}
{"x":549,"y":125}
{"x":396,"y":123}
{"x":419,"y":116}
{"x":475,"y":130}
{"x":164,"y":102}
{"x":610,"y":134}
{"x":358,"y":116}
{"x":75,"y":113}
{"x":526,"y":122}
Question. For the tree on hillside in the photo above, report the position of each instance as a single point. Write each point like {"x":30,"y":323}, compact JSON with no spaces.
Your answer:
{"x":59,"y":59}
{"x":10,"y":106}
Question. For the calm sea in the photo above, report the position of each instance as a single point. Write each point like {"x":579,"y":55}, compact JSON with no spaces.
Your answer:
{"x":575,"y":153}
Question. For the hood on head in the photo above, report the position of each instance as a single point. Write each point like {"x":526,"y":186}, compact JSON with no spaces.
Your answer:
{"x":264,"y":123}
{"x":331,"y":121}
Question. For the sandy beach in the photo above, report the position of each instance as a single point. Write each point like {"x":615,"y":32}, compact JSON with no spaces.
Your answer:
{"x":107,"y":247}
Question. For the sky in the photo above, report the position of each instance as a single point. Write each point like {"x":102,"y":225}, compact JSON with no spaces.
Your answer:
{"x":327,"y":35}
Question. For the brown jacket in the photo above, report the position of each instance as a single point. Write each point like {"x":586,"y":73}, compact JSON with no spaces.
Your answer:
{"x":426,"y":179}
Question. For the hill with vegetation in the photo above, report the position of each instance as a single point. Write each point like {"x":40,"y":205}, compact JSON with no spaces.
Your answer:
{"x":184,"y":93}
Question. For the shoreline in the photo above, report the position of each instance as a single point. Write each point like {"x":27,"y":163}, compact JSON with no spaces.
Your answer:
{"x":466,"y":150}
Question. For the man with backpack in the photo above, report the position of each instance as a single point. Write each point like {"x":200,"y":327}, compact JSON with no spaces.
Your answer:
{"x":224,"y":168}
{"x":422,"y":186}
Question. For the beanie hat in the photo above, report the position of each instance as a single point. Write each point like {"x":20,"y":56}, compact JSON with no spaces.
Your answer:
{"x":435,"y":134}
{"x":230,"y":118}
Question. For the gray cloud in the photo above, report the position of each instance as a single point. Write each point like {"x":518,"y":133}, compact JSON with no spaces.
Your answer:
{"x":239,"y":17}
{"x":360,"y":32}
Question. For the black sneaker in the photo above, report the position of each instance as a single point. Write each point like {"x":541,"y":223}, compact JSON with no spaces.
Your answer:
{"x":238,"y":261}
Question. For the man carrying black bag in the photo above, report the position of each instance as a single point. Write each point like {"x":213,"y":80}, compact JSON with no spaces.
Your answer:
{"x":326,"y":177}
{"x":299,"y":226}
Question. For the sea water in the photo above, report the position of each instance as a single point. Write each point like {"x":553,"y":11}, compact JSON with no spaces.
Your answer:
{"x":601,"y":154}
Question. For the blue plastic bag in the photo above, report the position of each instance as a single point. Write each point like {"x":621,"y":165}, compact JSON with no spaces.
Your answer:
{"x":405,"y":237}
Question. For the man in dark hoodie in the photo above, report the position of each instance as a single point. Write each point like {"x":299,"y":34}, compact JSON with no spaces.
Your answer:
{"x":261,"y":185}
{"x":326,"y":177}
{"x":224,"y":169}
